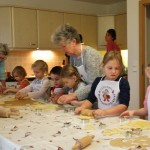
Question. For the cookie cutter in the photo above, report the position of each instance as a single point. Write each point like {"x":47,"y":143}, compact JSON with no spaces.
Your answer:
{"x":134,"y":131}
{"x":102,"y":125}
{"x":67,"y":124}
{"x":69,"y":109}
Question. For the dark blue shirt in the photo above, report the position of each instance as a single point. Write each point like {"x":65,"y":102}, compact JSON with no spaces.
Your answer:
{"x":124,"y":95}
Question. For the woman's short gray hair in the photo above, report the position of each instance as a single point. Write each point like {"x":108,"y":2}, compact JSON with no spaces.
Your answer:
{"x":65,"y":33}
{"x":4,"y":49}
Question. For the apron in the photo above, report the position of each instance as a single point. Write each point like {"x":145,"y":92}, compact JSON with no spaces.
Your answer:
{"x":107,"y":93}
{"x":81,"y":69}
{"x":148,"y":106}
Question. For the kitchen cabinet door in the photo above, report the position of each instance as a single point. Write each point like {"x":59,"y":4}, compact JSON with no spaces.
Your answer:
{"x":5,"y":26}
{"x":74,"y":20}
{"x":47,"y":24}
{"x":24,"y":28}
{"x":121,"y":30}
{"x":89,"y":30}
{"x":104,"y":23}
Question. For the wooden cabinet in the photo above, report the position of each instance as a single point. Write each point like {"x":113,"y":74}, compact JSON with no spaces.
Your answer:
{"x":47,"y":23}
{"x":74,"y":20}
{"x":24,"y":28}
{"x":5,"y":26}
{"x":89,"y":30}
{"x":121,"y":30}
{"x":104,"y":23}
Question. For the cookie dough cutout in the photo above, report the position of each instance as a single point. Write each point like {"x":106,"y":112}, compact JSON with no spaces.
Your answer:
{"x":87,"y":112}
{"x":86,"y":117}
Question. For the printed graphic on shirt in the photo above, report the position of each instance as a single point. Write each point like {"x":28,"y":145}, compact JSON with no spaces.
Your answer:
{"x":106,"y":95}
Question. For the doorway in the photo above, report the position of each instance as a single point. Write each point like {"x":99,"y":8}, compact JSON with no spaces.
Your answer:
{"x":144,"y":22}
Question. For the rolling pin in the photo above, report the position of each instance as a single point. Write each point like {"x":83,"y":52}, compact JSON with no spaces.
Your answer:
{"x":83,"y":142}
{"x":7,"y":112}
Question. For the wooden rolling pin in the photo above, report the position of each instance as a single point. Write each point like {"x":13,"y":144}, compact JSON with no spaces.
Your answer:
{"x":7,"y":112}
{"x":83,"y":142}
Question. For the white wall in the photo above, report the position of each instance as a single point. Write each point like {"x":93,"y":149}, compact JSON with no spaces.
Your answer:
{"x":68,"y":6}
{"x":133,"y":47}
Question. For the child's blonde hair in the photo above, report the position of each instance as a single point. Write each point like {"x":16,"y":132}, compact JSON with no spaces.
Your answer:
{"x":20,"y":71}
{"x":113,"y":55}
{"x":69,"y":71}
{"x":41,"y":65}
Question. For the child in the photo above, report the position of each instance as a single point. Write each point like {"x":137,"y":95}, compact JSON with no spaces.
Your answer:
{"x":19,"y":74}
{"x":72,"y":80}
{"x":39,"y":87}
{"x":4,"y":50}
{"x":57,"y":83}
{"x":146,"y":110}
{"x":110,"y":38}
{"x":111,"y":91}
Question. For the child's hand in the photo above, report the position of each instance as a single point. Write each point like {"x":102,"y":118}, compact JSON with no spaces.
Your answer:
{"x":2,"y":89}
{"x":20,"y":95}
{"x":78,"y":110}
{"x":65,"y":99}
{"x":99,"y":113}
{"x":6,"y":91}
{"x":54,"y":98}
{"x":129,"y":113}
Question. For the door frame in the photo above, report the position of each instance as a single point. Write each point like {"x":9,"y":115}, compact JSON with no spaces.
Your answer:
{"x":142,"y":12}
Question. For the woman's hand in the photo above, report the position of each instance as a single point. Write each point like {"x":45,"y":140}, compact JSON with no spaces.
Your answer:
{"x":129,"y":113}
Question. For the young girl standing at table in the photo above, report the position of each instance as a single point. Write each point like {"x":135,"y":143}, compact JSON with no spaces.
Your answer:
{"x":39,"y":87}
{"x":19,"y":74}
{"x":72,"y":80}
{"x":146,"y":109}
{"x":111,"y":91}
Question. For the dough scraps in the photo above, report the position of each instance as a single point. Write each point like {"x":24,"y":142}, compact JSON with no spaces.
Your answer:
{"x":15,"y":102}
{"x":142,"y":141}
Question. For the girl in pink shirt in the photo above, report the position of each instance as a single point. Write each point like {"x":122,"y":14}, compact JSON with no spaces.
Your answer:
{"x":146,"y":109}
{"x":110,"y":38}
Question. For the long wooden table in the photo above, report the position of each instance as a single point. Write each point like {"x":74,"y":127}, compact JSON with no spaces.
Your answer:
{"x":54,"y":127}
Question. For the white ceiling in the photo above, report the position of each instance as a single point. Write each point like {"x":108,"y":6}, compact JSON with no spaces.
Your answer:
{"x":101,"y":1}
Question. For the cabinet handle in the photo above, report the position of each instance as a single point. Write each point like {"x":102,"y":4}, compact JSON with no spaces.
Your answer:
{"x":33,"y":44}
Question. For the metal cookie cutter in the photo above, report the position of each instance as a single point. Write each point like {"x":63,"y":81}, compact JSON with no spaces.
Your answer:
{"x":69,"y":109}
{"x":67,"y":124}
{"x":128,"y":133}
{"x":136,"y":131}
{"x":102,"y":125}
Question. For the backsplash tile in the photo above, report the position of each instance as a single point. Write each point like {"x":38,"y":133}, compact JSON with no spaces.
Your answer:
{"x":26,"y":59}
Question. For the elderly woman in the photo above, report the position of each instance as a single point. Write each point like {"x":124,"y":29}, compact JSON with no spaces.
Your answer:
{"x":85,"y":58}
{"x":3,"y":55}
